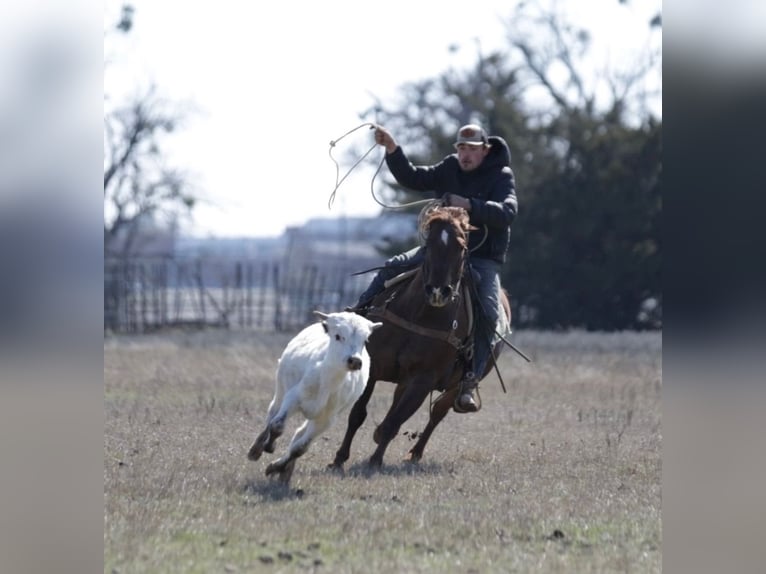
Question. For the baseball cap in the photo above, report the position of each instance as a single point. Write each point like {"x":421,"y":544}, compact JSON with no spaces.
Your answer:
{"x":471,"y":134}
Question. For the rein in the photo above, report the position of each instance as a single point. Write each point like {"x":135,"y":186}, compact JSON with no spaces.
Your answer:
{"x":440,"y":334}
{"x":447,"y":336}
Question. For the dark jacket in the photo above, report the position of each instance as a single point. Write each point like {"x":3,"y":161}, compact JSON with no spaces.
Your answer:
{"x":490,"y":187}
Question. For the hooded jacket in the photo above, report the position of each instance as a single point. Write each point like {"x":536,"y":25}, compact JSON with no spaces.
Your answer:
{"x":491,"y":189}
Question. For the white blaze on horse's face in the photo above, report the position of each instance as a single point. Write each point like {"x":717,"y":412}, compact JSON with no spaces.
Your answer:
{"x":443,"y":264}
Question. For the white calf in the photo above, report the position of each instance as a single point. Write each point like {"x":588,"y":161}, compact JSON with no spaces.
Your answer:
{"x":321,"y":372}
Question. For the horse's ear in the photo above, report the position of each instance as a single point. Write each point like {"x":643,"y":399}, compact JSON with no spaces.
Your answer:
{"x":375,"y":326}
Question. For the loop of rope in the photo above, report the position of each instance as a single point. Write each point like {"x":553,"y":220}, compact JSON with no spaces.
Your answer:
{"x":337,"y":166}
{"x":483,"y":239}
{"x":339,"y":180}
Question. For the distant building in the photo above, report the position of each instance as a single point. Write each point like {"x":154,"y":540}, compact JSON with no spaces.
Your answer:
{"x":351,"y":241}
{"x":231,"y":248}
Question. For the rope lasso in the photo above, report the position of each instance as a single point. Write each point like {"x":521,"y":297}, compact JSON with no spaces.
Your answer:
{"x":428,"y":204}
{"x":339,"y":180}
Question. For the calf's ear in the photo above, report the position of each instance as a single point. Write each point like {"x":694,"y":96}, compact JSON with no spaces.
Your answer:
{"x":322,"y":316}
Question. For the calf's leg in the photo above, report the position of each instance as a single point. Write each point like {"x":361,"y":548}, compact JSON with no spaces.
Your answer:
{"x":279,"y":409}
{"x":299,"y":444}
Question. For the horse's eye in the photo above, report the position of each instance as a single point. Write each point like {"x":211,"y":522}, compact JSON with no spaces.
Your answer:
{"x":337,"y":337}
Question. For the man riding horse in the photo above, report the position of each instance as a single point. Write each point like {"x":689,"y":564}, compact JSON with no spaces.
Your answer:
{"x":479,"y":179}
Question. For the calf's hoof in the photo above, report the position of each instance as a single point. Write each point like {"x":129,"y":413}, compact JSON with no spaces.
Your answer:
{"x":284,"y":471}
{"x":264,"y":441}
{"x":255,"y":452}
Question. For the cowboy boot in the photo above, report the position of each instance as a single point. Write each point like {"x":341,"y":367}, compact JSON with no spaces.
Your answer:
{"x":465,"y":403}
{"x":365,"y":299}
{"x":361,"y":307}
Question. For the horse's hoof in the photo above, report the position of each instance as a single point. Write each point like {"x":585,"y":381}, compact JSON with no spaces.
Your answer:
{"x":412,"y":457}
{"x":336,"y":468}
{"x":272,"y":468}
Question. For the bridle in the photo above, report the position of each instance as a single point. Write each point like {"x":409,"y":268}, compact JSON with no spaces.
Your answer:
{"x":454,"y":286}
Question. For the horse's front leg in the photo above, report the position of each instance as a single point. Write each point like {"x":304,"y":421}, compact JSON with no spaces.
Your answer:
{"x":356,"y":417}
{"x":398,"y":392}
{"x":412,"y":397}
{"x":439,"y":410}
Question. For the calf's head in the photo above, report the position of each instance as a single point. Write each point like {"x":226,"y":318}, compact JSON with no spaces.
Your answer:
{"x":348,"y":333}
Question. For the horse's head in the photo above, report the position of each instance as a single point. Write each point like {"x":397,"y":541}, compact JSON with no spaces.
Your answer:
{"x":446,"y":243}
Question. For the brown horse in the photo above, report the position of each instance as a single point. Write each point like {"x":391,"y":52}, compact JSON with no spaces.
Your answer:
{"x":425,"y":332}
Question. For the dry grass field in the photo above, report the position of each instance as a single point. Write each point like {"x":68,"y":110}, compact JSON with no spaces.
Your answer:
{"x":561,"y":474}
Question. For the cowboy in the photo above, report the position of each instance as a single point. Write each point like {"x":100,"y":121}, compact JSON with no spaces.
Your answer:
{"x":479,"y":179}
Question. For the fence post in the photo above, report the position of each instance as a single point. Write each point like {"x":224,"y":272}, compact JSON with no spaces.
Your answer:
{"x":201,"y":289}
{"x":264,"y":289}
{"x":277,"y":300}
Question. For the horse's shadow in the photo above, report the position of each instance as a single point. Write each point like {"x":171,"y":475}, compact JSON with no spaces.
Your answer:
{"x":405,"y":468}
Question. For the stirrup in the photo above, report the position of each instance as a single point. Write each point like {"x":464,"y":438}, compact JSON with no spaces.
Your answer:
{"x":466,"y":388}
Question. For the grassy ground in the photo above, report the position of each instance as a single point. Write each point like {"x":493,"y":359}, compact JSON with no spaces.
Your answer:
{"x":561,"y":474}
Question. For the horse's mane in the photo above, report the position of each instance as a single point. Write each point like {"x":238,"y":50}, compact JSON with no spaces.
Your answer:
{"x":457,"y":217}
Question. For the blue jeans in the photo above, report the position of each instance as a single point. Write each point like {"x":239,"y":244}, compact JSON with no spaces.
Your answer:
{"x":488,"y":289}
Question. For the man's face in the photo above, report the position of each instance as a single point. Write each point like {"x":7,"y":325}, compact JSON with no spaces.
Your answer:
{"x":471,"y":156}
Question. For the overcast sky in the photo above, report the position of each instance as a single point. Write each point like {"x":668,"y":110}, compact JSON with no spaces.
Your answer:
{"x":273,"y":83}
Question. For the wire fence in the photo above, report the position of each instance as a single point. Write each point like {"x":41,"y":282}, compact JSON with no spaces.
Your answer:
{"x":144,"y":295}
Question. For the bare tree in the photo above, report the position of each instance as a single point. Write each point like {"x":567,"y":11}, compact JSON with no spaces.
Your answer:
{"x":137,"y":182}
{"x":554,"y":53}
{"x":139,"y":185}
